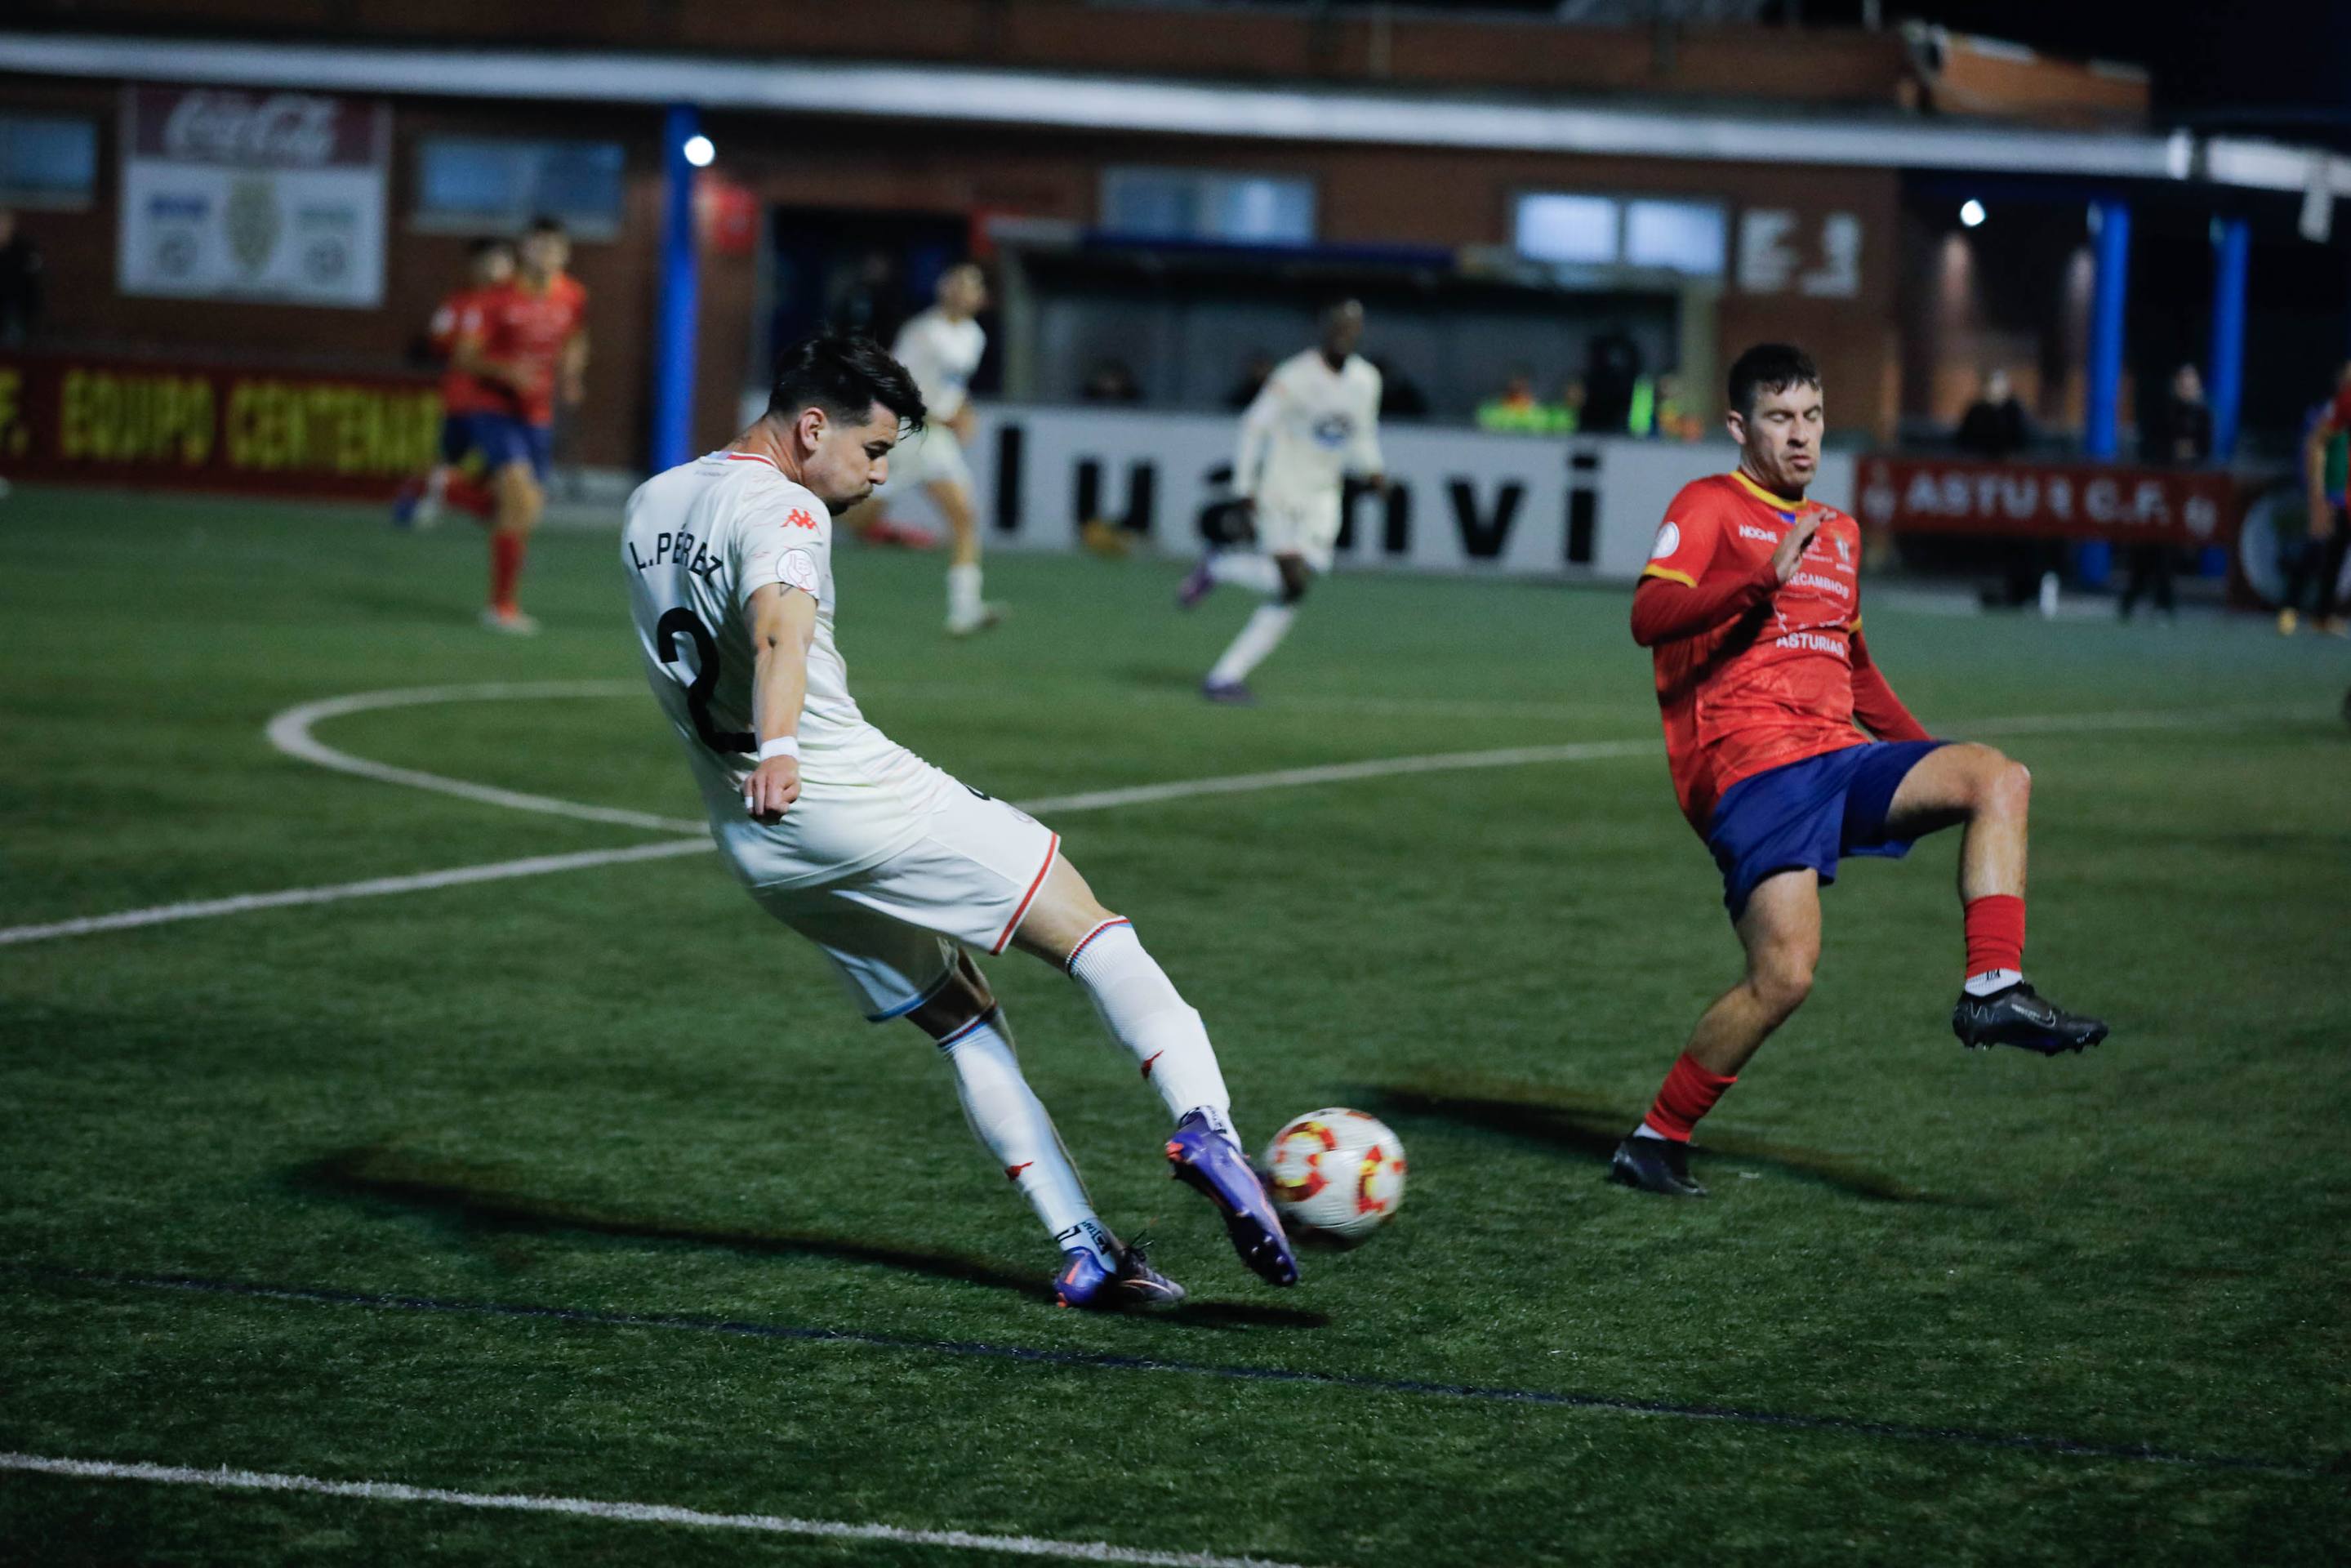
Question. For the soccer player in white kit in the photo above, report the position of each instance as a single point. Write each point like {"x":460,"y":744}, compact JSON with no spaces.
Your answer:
{"x":892,"y":868}
{"x":942,"y":347}
{"x":1315,"y":421}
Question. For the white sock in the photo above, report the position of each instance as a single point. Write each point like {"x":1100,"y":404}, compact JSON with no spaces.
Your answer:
{"x":1260,"y":635}
{"x":1246,"y":569}
{"x":1993,"y":980}
{"x":1011,"y":1121}
{"x":1144,"y":1013}
{"x":1646,"y":1130}
{"x":963,"y":593}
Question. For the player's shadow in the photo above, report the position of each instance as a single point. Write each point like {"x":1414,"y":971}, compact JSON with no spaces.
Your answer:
{"x":1591,"y":1127}
{"x":474,"y":1202}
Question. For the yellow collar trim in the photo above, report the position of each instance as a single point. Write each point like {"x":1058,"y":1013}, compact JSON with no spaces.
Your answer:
{"x":1760,"y":494}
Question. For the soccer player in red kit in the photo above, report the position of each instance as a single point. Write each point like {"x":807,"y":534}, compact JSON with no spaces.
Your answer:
{"x":1751,"y":605}
{"x":456,"y":476}
{"x":527,"y":342}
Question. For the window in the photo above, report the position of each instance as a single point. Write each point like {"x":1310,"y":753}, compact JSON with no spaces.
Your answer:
{"x":45,"y":162}
{"x":1653,"y":235}
{"x":1182,"y":203}
{"x":475,"y":185}
{"x":1677,"y":236}
{"x":1580,"y":230}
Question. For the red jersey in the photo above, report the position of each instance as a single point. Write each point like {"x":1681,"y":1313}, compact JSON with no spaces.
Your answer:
{"x":459,"y":316}
{"x":528,"y":328}
{"x":1753,"y":673}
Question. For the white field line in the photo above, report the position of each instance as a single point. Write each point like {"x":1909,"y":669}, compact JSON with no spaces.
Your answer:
{"x":627,"y":1513}
{"x":375,"y":887}
{"x":290,"y":733}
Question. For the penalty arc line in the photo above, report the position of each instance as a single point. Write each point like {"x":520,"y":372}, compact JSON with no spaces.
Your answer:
{"x":227,"y":1478}
{"x":1620,"y":1405}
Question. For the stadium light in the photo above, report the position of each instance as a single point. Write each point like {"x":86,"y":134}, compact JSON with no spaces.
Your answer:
{"x":1972,"y":211}
{"x":699,"y":152}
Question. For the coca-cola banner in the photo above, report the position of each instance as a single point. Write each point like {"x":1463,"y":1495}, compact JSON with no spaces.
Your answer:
{"x":228,"y":194}
{"x":2070,"y":500}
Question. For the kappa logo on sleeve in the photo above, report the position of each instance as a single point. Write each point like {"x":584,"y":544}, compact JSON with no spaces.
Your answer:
{"x":800,"y":519}
{"x":1670,"y":539}
{"x":798,"y":568}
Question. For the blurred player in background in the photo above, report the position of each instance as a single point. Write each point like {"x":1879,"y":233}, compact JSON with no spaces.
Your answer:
{"x":943,"y":347}
{"x":1315,"y":421}
{"x":456,"y":478}
{"x":2326,"y":534}
{"x":1752,"y":601}
{"x":527,"y":340}
{"x":889,"y":866}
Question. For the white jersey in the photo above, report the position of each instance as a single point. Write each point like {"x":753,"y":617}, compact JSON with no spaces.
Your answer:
{"x":941,"y":355}
{"x":699,"y":541}
{"x":1309,"y":428}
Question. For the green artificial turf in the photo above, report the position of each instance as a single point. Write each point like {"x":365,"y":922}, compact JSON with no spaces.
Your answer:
{"x":621,"y":1093}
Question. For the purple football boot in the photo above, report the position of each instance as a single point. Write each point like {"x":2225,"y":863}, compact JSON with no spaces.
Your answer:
{"x":1231,"y":693}
{"x":1197,"y":586}
{"x":1209,"y":1162}
{"x":1132,"y":1286}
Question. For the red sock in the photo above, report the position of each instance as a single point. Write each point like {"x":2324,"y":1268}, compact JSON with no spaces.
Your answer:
{"x":1995,"y":926}
{"x":467,"y":494}
{"x":506,"y":567}
{"x":1689,"y":1093}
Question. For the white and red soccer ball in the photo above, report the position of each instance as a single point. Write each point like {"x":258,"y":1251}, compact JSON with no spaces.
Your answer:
{"x":1335,"y":1174}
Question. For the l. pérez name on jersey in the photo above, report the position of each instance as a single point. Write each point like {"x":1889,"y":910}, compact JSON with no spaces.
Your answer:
{"x":671,"y":548}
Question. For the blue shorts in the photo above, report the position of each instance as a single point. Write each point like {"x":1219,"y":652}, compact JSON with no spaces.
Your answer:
{"x":501,"y":439}
{"x":1808,"y":814}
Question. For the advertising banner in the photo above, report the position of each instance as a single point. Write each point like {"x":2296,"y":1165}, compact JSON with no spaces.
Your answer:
{"x":229,"y":195}
{"x":69,"y":417}
{"x":1458,"y":500}
{"x":2127,"y":506}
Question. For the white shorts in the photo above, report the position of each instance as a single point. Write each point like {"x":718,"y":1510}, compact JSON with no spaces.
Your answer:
{"x":930,"y":457}
{"x":892,"y":930}
{"x":1304,"y":526}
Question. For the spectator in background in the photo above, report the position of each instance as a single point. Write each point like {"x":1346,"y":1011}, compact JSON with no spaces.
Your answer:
{"x":1612,"y":381}
{"x":20,"y":282}
{"x":1994,"y":427}
{"x":1400,"y":395}
{"x":2327,"y":536}
{"x":1994,"y":424}
{"x":2178,"y":434}
{"x":1111,"y":381}
{"x":1254,"y":369}
{"x":1513,"y":410}
{"x":1676,"y":419}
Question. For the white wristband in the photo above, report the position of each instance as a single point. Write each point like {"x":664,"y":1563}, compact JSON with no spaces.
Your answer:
{"x":782,"y":745}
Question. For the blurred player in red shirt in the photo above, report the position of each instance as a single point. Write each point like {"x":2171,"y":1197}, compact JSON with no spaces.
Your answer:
{"x":457,"y":477}
{"x":1752,"y":602}
{"x":525,"y":344}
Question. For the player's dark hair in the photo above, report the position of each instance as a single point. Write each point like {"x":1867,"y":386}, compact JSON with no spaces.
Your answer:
{"x":845,"y":374}
{"x":489,"y":245}
{"x":547,"y":224}
{"x":1770,"y":368}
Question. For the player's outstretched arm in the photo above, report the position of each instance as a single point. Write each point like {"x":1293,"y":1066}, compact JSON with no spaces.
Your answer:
{"x":1257,"y":430}
{"x":1664,"y":609}
{"x":783,"y":623}
{"x":1874,"y":702}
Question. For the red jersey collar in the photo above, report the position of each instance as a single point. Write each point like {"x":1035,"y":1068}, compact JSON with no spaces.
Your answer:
{"x":1779,"y":503}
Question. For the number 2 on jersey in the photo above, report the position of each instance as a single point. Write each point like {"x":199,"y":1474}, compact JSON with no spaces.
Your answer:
{"x":682,"y":622}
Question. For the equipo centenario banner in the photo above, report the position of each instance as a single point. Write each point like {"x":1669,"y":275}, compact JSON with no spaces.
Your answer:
{"x":275,"y":196}
{"x":79,"y":417}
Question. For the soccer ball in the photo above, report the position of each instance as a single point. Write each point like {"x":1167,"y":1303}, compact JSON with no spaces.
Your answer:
{"x":1335,"y":1174}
